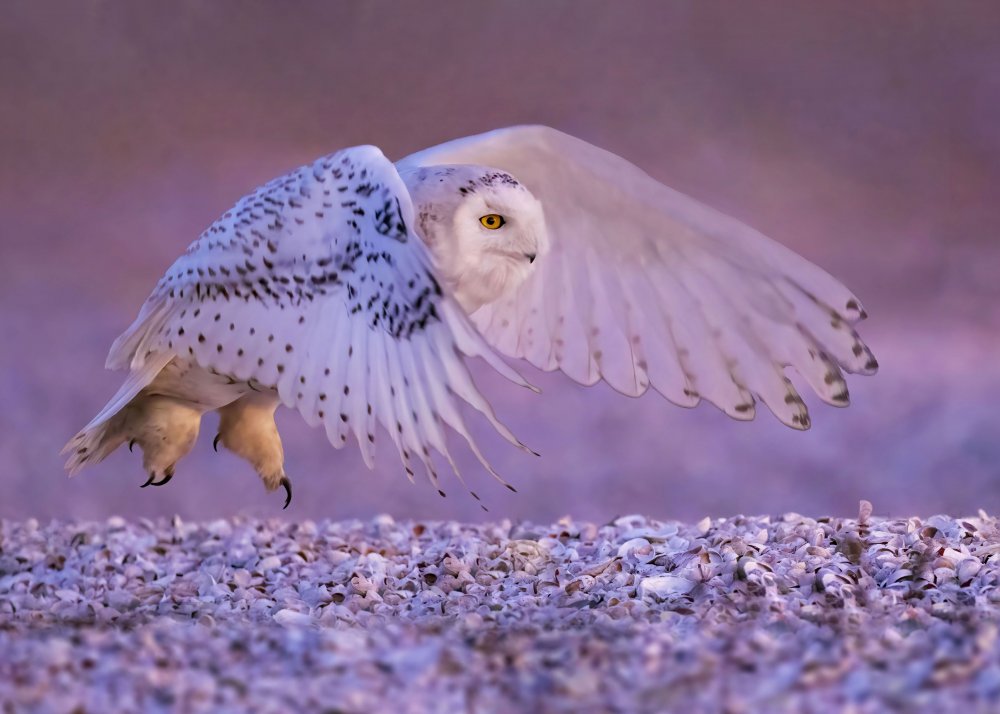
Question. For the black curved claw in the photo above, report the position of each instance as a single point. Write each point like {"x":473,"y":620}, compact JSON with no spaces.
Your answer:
{"x":168,"y":474}
{"x":215,"y":442}
{"x":130,"y":445}
{"x":288,"y":491}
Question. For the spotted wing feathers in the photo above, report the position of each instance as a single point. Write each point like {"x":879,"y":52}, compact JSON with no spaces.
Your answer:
{"x":315,"y":286}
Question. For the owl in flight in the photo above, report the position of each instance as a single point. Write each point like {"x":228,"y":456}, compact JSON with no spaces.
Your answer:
{"x":353,"y":288}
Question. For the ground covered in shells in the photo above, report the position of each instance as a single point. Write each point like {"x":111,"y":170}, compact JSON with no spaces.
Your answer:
{"x":743,"y":614}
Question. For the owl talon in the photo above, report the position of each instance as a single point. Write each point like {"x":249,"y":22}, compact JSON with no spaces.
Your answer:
{"x":168,"y":473}
{"x":130,"y":445}
{"x":287,"y":484}
{"x":215,"y":442}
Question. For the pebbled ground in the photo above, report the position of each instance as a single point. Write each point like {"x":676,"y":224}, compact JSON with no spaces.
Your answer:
{"x":738,"y":615}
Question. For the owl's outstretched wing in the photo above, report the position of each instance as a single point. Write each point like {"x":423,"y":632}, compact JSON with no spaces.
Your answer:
{"x":316,"y":286}
{"x":643,"y":286}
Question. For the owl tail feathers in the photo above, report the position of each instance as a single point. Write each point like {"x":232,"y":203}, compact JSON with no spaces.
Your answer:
{"x":104,"y":434}
{"x":137,"y":344}
{"x":92,"y":445}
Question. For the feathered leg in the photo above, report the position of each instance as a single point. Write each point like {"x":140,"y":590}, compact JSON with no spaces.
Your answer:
{"x":247,"y":428}
{"x":165,"y":429}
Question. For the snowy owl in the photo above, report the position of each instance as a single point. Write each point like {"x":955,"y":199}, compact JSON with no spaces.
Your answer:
{"x":353,"y":288}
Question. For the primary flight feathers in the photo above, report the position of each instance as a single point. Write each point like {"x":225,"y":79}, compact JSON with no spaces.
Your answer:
{"x":644,"y":286}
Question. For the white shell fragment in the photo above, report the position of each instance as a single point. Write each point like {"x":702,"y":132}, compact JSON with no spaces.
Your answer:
{"x":783,"y":613}
{"x":661,"y":587}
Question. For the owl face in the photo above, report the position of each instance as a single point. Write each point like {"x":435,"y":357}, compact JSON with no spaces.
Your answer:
{"x":484,"y":229}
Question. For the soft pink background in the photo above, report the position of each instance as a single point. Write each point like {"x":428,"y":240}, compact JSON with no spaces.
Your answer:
{"x":864,"y":136}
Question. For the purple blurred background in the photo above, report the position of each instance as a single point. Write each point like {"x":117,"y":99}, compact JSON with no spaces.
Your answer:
{"x":864,"y":136}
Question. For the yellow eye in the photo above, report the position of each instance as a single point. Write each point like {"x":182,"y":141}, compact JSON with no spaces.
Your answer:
{"x":492,"y":221}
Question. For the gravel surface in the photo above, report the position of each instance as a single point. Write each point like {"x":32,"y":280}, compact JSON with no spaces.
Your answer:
{"x":743,"y":614}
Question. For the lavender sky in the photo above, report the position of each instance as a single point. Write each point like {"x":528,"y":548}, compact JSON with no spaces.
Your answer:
{"x":864,"y":136}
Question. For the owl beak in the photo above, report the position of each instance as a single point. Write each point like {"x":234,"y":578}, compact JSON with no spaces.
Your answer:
{"x":531,"y":257}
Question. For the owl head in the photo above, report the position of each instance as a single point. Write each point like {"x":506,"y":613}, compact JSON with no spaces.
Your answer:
{"x":484,"y":229}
